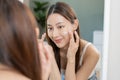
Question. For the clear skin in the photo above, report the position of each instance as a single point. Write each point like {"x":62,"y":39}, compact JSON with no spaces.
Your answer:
{"x":61,"y":31}
{"x":45,"y":57}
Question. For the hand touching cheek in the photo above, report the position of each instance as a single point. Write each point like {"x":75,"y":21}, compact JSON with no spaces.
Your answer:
{"x":45,"y":52}
{"x":73,"y":45}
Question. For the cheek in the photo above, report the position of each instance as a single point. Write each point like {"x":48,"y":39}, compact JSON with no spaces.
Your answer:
{"x":66,"y":32}
{"x":66,"y":39}
{"x":49,"y":36}
{"x":66,"y":35}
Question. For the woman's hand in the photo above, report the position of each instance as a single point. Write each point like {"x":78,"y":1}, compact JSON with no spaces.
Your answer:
{"x":45,"y":52}
{"x":73,"y":45}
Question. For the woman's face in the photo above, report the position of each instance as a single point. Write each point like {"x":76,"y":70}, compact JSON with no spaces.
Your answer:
{"x":58,"y":29}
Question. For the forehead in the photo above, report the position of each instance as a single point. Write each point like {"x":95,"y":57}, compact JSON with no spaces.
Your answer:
{"x":56,"y":18}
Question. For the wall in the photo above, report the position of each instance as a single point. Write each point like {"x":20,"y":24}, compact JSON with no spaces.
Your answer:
{"x":90,"y":14}
{"x":111,"y":58}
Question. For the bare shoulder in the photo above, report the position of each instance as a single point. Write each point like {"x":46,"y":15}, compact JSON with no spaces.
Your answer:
{"x":9,"y":75}
{"x":91,"y":50}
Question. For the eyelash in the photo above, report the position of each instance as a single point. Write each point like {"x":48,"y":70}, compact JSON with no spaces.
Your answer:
{"x":60,"y":27}
{"x":50,"y":29}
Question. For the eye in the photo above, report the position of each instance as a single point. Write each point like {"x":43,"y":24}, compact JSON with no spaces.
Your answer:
{"x":50,"y":28}
{"x":60,"y":27}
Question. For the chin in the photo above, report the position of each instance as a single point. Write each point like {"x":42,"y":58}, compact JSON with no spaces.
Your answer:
{"x":59,"y":46}
{"x":62,"y":46}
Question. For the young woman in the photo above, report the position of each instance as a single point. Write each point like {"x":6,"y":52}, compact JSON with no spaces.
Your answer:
{"x":75,"y":58}
{"x":20,"y":57}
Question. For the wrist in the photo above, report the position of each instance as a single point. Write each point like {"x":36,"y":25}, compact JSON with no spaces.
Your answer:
{"x":71,"y":59}
{"x":70,"y":55}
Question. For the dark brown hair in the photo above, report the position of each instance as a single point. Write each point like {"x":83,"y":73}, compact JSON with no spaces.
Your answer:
{"x":67,"y":12}
{"x":18,"y":41}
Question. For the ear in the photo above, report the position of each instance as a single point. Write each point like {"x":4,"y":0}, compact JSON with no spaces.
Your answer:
{"x":75,"y":25}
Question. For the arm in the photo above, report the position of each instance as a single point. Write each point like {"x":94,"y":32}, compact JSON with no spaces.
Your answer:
{"x":49,"y":65}
{"x":45,"y":54}
{"x":55,"y":73}
{"x":70,"y":68}
{"x":89,"y":62}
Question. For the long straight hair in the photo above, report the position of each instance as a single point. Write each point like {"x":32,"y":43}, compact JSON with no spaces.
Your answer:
{"x":18,"y":41}
{"x":67,"y":12}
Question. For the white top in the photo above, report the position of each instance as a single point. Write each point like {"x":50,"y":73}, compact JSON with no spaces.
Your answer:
{"x":81,"y":59}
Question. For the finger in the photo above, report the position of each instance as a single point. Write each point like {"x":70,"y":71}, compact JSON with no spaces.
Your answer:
{"x":43,"y":36}
{"x":48,"y":52}
{"x":41,"y":52}
{"x":77,"y":37}
{"x":38,"y":40}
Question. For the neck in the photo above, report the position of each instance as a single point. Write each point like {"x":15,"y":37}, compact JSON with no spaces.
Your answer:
{"x":63,"y":51}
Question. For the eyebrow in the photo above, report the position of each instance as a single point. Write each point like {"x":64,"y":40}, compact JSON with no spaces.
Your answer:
{"x":56,"y":24}
{"x":49,"y":25}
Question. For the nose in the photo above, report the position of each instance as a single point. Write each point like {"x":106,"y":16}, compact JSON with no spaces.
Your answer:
{"x":55,"y":33}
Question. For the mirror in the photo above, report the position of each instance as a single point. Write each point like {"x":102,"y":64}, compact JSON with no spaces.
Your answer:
{"x":91,"y":15}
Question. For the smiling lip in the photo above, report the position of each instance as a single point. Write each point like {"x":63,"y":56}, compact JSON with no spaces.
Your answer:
{"x":58,"y":40}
